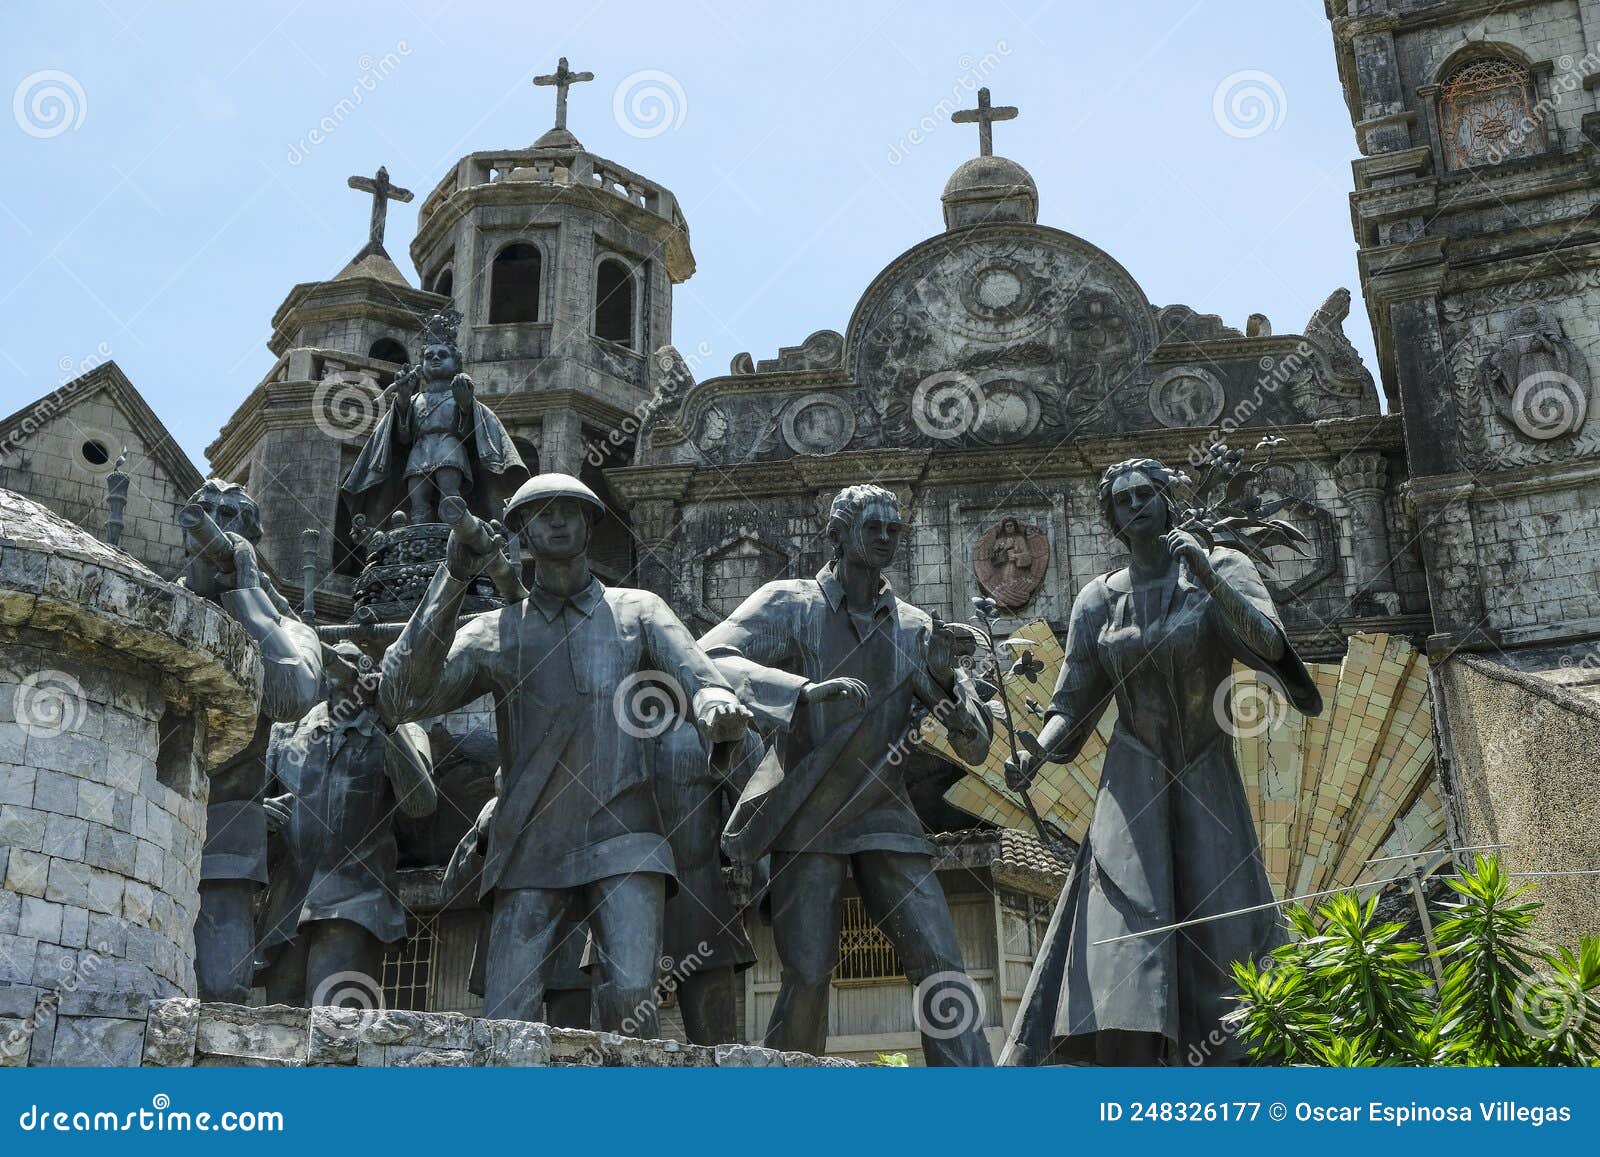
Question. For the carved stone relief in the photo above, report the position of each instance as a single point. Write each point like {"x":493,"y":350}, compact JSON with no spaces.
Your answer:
{"x":1186,"y":396}
{"x":1010,"y":561}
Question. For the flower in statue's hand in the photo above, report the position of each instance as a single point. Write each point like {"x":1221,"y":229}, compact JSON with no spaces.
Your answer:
{"x":1027,"y":666}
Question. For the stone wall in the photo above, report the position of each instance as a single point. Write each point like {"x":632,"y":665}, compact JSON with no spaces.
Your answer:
{"x":50,"y":468}
{"x":117,"y":690}
{"x":1521,"y":764}
{"x":101,"y":854}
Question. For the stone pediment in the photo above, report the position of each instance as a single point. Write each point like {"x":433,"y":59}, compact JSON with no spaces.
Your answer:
{"x":997,"y":333}
{"x":1008,"y":334}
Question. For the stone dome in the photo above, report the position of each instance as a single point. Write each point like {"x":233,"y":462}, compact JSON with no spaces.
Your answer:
{"x":60,"y":582}
{"x":987,"y":189}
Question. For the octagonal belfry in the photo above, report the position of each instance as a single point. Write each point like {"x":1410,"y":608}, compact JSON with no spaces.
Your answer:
{"x":117,"y":690}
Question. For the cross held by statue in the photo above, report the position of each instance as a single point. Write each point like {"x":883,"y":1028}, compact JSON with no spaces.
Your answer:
{"x":563,"y":78}
{"x":984,"y":116}
{"x":382,"y":193}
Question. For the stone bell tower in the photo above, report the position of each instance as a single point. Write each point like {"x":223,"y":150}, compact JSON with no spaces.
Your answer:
{"x":562,"y":264}
{"x":1477,"y":215}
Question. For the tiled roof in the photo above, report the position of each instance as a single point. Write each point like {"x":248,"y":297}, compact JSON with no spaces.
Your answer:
{"x":1013,"y":857}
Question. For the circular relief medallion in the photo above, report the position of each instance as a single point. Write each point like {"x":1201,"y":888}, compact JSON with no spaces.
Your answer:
{"x":999,"y":290}
{"x":818,"y":424}
{"x":1010,"y":412}
{"x":1186,"y":397}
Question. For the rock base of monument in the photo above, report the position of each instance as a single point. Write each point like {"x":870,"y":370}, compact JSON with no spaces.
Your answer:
{"x":39,"y":1028}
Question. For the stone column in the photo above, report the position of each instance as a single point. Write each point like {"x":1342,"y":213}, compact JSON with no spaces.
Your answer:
{"x":1385,"y":124}
{"x":655,"y":526}
{"x":561,"y":449}
{"x":654,"y":498}
{"x":1363,"y":476}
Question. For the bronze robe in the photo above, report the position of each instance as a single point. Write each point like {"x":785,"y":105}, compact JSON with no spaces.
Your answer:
{"x":342,"y":860}
{"x":376,"y":484}
{"x":1172,"y":836}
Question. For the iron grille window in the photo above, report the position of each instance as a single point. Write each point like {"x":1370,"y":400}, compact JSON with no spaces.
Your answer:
{"x":865,"y":953}
{"x":408,"y":967}
{"x":1487,"y":115}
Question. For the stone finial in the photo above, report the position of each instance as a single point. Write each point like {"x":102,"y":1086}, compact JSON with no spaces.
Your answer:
{"x":116,"y":500}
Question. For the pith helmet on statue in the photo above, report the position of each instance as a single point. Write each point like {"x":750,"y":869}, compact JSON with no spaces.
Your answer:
{"x":543,"y":488}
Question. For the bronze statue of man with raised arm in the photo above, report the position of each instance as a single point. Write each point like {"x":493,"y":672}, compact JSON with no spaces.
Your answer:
{"x":577,"y":833}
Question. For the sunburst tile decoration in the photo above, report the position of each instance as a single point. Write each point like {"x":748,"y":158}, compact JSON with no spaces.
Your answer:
{"x":1328,"y":794}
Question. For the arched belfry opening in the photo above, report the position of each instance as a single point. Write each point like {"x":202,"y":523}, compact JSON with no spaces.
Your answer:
{"x":514,"y":284}
{"x":613,"y":302}
{"x":386,"y":349}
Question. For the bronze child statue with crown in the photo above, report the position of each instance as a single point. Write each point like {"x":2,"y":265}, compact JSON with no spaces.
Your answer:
{"x":435,"y":441}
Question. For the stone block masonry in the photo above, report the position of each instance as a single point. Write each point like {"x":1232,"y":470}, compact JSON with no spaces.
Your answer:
{"x":39,"y":1028}
{"x":101,"y":821}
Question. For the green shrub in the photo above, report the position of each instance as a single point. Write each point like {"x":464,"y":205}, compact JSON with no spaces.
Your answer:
{"x":1349,"y":990}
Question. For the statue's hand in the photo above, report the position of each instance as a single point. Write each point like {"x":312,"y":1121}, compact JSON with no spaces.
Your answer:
{"x":950,"y":645}
{"x":407,"y":380}
{"x":461,"y":388}
{"x":1020,"y":770}
{"x":212,"y":580}
{"x":464,"y":562}
{"x":277,"y":808}
{"x":828,"y":690}
{"x":1186,"y":548}
{"x":724,"y":720}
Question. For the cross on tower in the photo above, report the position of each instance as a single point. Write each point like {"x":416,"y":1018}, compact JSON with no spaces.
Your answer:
{"x":985,"y":116}
{"x":563,"y":78}
{"x":382,"y":192}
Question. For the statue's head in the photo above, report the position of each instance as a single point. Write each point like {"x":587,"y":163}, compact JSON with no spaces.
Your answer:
{"x":865,"y":525}
{"x":1137,"y":500}
{"x":554,"y":514}
{"x":230,"y":508}
{"x":440,"y":361}
{"x":441,"y":356}
{"x":348,"y":673}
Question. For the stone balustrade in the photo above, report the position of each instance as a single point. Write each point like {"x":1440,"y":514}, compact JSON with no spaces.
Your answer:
{"x":570,"y":167}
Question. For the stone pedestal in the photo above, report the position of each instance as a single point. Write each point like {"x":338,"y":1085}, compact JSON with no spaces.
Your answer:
{"x":191,"y":1032}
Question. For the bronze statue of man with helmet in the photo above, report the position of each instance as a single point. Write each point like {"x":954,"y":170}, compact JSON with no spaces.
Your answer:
{"x":577,"y":833}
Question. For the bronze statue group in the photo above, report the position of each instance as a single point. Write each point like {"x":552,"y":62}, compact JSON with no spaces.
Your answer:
{"x":600,"y":857}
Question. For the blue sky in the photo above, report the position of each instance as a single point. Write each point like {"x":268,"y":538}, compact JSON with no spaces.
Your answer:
{"x":162,"y":208}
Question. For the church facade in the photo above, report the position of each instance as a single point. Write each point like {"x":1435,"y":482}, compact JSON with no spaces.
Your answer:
{"x":989,"y":375}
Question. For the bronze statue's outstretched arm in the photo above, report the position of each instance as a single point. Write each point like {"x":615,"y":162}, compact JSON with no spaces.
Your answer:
{"x":408,"y":762}
{"x":433,"y":668}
